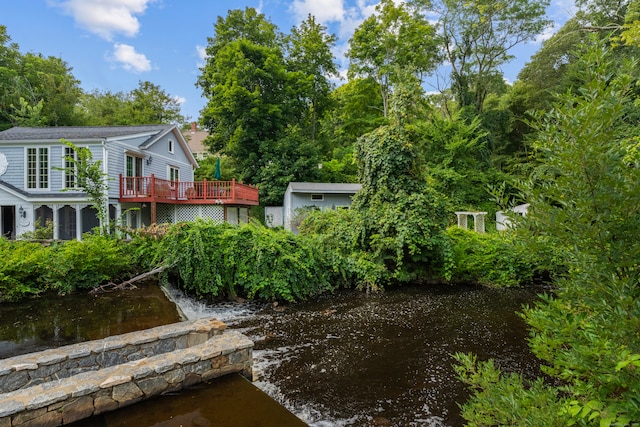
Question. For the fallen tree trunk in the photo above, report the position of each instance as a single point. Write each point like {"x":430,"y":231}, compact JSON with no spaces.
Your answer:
{"x":128,"y":284}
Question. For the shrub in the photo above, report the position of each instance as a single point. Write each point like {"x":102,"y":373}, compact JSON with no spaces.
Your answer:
{"x":490,"y":259}
{"x":86,"y":264}
{"x":252,"y":261}
{"x":22,"y":269}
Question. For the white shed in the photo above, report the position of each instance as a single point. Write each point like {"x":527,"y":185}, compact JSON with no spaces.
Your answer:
{"x":321,"y":195}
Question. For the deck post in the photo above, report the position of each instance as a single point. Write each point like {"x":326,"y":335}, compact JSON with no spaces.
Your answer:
{"x":233,"y":190}
{"x":153,"y":187}
{"x":204,"y":188}
{"x":153,"y":212}
{"x":121,"y":186}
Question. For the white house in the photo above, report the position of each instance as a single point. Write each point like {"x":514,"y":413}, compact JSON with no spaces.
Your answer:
{"x":320,"y":195}
{"x":149,"y":168}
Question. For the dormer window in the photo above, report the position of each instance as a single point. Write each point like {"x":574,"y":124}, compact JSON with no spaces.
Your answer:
{"x":171,"y":145}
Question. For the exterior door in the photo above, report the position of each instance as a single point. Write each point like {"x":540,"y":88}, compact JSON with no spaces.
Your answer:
{"x":133,"y":170}
{"x":8,"y":221}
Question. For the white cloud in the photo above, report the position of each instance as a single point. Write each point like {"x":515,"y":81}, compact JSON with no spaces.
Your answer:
{"x":105,"y":17}
{"x":179,"y":100}
{"x":547,"y":34}
{"x":129,"y":59}
{"x":201,"y":51}
{"x":325,"y":11}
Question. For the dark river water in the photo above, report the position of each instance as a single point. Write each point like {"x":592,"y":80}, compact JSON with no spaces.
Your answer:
{"x":347,"y":359}
{"x":380,"y":360}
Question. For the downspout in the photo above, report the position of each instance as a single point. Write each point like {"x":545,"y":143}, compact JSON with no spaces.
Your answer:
{"x":105,"y":170}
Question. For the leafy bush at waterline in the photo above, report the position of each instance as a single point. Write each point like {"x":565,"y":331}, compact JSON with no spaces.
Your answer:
{"x":490,"y":259}
{"x":22,"y":269}
{"x":88,"y":263}
{"x":249,"y":260}
{"x":29,"y":269}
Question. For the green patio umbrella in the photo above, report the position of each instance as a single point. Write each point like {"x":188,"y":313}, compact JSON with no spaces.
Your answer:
{"x":216,"y":173}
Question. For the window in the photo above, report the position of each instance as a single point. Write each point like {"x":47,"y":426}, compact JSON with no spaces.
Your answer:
{"x":174,"y":174}
{"x":133,"y":168}
{"x":171,"y":145}
{"x":317,"y":197}
{"x":69,"y":168}
{"x":38,"y":167}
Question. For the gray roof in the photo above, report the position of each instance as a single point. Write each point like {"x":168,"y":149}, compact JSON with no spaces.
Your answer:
{"x":77,"y":132}
{"x":324,"y":187}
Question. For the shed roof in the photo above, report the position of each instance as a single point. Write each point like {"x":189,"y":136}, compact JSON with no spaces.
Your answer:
{"x":324,"y":187}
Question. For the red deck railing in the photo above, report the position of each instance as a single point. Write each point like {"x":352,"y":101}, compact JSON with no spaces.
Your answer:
{"x":152,"y":189}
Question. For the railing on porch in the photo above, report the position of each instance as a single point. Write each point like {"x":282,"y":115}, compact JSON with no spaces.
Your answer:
{"x":152,"y":189}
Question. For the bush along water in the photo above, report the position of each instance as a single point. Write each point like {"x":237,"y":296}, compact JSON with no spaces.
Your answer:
{"x":219,"y":260}
{"x":29,"y":269}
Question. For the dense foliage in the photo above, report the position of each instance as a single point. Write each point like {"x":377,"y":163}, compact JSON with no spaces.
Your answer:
{"x":30,"y":269}
{"x":218,"y":260}
{"x":584,"y":199}
{"x":492,"y":259}
{"x":395,"y":231}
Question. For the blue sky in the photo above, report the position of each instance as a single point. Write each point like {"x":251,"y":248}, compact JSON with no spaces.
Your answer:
{"x":114,"y":44}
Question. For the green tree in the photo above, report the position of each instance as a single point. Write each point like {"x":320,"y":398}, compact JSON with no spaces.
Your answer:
{"x":9,"y":65}
{"x":103,"y":108}
{"x":356,"y":111}
{"x":50,"y":80}
{"x":292,"y":158}
{"x":478,"y":36}
{"x":310,"y":53}
{"x":249,"y":90}
{"x":150,"y":104}
{"x":146,"y":104}
{"x":260,"y":109}
{"x":454,"y":150}
{"x":395,"y":39}
{"x":584,"y":202}
{"x":35,"y":90}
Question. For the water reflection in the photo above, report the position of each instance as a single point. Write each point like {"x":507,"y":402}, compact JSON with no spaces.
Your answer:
{"x":54,"y":321}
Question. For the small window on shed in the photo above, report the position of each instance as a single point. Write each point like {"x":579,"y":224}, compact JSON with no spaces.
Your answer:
{"x":171,"y":145}
{"x":317,"y":197}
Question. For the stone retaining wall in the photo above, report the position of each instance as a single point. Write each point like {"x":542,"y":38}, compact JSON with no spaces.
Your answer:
{"x":63,"y":385}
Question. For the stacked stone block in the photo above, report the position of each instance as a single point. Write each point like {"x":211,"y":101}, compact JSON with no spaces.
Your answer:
{"x":63,"y":385}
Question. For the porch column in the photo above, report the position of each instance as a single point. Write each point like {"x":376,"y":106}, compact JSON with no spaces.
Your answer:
{"x":79,"y":222}
{"x":56,"y":222}
{"x":118,"y":219}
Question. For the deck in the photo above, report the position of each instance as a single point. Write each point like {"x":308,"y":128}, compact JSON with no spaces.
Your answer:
{"x":149,"y":189}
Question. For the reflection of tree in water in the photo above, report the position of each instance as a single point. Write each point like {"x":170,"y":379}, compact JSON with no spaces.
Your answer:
{"x":53,"y":321}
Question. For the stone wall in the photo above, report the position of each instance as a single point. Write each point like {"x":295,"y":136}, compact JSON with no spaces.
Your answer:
{"x":63,"y":385}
